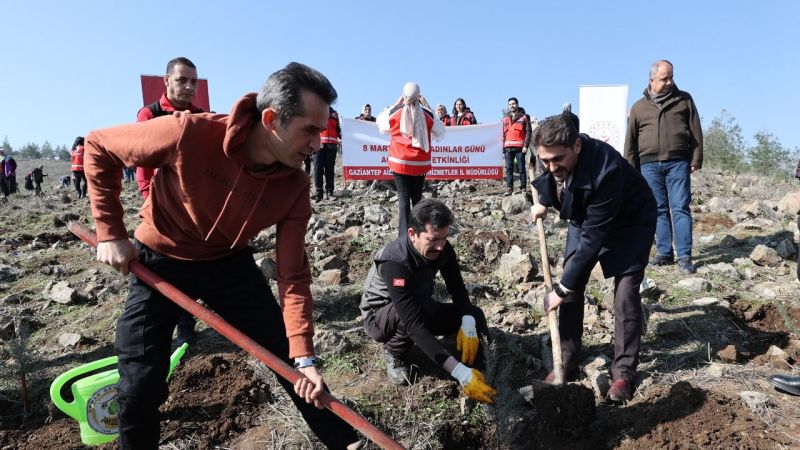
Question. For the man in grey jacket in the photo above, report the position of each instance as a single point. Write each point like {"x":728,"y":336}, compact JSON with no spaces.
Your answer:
{"x":665,"y":142}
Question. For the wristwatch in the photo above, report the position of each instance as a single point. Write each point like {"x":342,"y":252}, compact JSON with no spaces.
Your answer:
{"x":305,"y":361}
{"x":559,"y":290}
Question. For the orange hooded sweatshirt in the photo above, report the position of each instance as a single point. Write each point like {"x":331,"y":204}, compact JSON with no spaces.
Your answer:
{"x":208,"y":200}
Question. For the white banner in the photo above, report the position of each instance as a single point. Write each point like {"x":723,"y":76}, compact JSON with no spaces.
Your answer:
{"x":604,"y":113}
{"x":466,"y":152}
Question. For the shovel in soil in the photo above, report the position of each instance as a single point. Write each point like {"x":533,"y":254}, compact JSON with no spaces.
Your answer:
{"x":216,"y":322}
{"x":552,"y":318}
{"x":562,"y":407}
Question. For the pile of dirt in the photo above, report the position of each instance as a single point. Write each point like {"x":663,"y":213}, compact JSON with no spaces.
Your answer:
{"x":680,"y":416}
{"x":213,"y":398}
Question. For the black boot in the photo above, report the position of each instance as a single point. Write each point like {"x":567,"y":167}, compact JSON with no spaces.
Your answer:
{"x":396,"y":369}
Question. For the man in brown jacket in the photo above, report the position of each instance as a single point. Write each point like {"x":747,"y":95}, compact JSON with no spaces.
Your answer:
{"x":222,"y":179}
{"x":665,"y":142}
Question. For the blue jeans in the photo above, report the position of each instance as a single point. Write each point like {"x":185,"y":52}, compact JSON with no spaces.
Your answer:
{"x":510,"y":154}
{"x":670,"y":182}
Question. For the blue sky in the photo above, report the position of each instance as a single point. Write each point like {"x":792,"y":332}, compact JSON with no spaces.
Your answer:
{"x":70,"y":67}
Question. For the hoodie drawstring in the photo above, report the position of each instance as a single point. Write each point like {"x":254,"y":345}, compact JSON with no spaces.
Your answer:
{"x":250,"y":214}
{"x":225,"y":205}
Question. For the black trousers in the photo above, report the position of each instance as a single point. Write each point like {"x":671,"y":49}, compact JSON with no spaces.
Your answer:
{"x":511,"y":154}
{"x":4,"y":185}
{"x":627,"y":324}
{"x":409,"y":188}
{"x":236,"y":290}
{"x":324,"y":162}
{"x":441,"y":319}
{"x":80,"y":183}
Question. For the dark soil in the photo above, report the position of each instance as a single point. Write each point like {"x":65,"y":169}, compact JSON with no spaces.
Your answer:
{"x":677,"y":417}
{"x":213,"y":398}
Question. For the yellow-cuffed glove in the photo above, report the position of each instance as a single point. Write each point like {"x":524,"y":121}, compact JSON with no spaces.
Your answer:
{"x":474,"y":385}
{"x":467,"y":341}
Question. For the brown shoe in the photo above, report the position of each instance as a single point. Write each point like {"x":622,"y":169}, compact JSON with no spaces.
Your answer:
{"x":620,"y":392}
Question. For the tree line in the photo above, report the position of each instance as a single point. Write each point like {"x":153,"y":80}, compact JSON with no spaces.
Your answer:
{"x":33,"y":150}
{"x":724,"y":149}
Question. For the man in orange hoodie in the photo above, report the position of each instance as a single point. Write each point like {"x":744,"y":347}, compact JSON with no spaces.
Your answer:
{"x":222,"y":179}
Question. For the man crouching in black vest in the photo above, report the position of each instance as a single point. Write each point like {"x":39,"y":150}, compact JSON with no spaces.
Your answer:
{"x":398,"y":306}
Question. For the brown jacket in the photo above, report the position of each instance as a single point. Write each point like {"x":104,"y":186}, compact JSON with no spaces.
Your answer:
{"x":672,"y":132}
{"x":208,"y":200}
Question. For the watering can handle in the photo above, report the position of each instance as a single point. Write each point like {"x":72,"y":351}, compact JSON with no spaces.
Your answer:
{"x":72,"y":408}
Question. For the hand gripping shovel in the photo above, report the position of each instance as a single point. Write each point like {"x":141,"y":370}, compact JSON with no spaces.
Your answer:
{"x":250,"y":346}
{"x":552,"y":318}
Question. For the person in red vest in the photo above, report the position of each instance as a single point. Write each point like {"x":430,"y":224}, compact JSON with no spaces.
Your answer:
{"x":181,"y":83}
{"x":441,"y":113}
{"x":462,"y":114}
{"x":410,"y":124}
{"x":77,"y":168}
{"x":325,"y":158}
{"x":516,"y":140}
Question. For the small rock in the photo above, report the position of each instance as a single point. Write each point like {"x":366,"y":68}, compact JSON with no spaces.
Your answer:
{"x":63,"y":293}
{"x":516,"y":266}
{"x":331,"y":262}
{"x":765,"y":256}
{"x":268,"y":268}
{"x":670,"y":329}
{"x":518,"y":320}
{"x":754,"y":400}
{"x":69,"y":339}
{"x":716,"y":370}
{"x":786,"y":249}
{"x":514,"y":204}
{"x":8,"y":273}
{"x":595,"y":363}
{"x":648,"y":288}
{"x":327,"y":342}
{"x":705,"y":301}
{"x":331,"y":277}
{"x":732,"y":353}
{"x":600,"y":382}
{"x":694,"y":284}
{"x":376,"y":214}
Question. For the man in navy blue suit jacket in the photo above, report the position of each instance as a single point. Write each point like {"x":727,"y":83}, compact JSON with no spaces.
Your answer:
{"x":612,"y":219}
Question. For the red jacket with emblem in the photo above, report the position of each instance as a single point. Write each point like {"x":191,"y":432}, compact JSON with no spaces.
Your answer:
{"x":333,"y":131}
{"x":516,"y":130}
{"x":77,"y":159}
{"x":465,"y":119}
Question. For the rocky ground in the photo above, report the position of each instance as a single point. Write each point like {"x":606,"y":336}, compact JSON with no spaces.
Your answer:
{"x":711,"y":340}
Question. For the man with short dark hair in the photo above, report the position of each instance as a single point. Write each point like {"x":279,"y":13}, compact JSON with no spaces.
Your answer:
{"x":181,"y":88}
{"x":223,"y":179}
{"x":612,"y":216}
{"x":399,"y":309}
{"x":516,"y":139}
{"x":665,"y":141}
{"x":180,"y":81}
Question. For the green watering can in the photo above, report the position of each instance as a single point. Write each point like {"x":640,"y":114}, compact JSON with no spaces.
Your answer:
{"x":94,"y":403}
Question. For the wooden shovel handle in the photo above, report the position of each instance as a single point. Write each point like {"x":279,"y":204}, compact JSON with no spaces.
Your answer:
{"x":552,"y":318}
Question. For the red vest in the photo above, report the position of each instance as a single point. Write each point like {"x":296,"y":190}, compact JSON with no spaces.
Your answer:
{"x":466,"y":119}
{"x":404,"y":158}
{"x":514,"y":132}
{"x":77,"y":159}
{"x":330,"y":135}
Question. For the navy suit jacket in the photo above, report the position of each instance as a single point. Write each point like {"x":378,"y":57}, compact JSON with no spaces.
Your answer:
{"x":611,"y":212}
